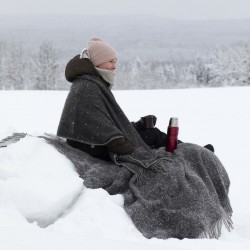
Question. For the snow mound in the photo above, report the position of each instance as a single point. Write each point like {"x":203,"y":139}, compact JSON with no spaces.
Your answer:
{"x":37,"y":180}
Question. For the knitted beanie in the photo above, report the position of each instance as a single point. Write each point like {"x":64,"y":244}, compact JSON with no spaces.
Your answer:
{"x":100,"y":51}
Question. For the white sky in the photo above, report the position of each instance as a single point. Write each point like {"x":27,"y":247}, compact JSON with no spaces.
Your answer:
{"x":177,"y":9}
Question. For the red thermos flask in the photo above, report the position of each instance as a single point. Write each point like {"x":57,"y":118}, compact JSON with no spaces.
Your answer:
{"x":172,"y":135}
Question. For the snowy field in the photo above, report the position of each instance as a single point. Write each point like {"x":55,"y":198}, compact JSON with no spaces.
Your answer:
{"x":44,"y":205}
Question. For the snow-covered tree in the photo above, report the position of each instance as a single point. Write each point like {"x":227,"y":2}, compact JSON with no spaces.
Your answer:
{"x":229,"y":66}
{"x":14,"y":67}
{"x":46,"y":67}
{"x":2,"y":59}
{"x":42,"y":67}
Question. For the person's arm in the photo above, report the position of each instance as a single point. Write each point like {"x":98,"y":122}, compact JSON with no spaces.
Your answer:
{"x":120,"y":146}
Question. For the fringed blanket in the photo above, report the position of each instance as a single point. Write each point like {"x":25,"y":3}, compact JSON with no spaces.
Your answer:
{"x":181,"y":195}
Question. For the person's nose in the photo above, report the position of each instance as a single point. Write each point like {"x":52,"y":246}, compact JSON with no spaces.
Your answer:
{"x":114,"y":66}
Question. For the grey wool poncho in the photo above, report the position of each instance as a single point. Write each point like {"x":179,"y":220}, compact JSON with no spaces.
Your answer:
{"x":180,"y":195}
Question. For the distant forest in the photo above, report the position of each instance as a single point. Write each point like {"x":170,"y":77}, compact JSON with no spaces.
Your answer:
{"x":152,"y":52}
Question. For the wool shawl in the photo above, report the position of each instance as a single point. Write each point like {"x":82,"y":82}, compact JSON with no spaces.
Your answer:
{"x":92,"y":116}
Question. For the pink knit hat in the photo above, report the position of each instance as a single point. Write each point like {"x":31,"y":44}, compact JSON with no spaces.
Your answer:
{"x":100,"y":51}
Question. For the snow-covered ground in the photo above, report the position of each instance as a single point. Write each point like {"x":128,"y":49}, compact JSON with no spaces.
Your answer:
{"x":44,"y":205}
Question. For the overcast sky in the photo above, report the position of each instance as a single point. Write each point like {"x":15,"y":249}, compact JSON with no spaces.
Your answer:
{"x":177,"y":9}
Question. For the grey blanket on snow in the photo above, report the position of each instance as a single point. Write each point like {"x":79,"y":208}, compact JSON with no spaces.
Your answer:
{"x":185,"y":198}
{"x":181,"y":195}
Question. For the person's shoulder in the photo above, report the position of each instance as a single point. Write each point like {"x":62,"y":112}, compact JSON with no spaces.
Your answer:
{"x":86,"y":85}
{"x":89,"y":80}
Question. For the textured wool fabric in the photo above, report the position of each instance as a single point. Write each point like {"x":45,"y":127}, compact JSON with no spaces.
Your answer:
{"x":91,"y":114}
{"x":188,"y":200}
{"x":182,"y":195}
{"x":100,"y":51}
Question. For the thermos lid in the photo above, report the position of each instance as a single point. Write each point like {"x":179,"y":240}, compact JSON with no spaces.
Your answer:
{"x":173,"y":122}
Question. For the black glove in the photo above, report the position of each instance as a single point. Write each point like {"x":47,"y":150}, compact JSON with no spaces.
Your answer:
{"x":145,"y":122}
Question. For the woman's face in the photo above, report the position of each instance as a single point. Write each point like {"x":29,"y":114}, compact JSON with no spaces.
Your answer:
{"x":109,"y":65}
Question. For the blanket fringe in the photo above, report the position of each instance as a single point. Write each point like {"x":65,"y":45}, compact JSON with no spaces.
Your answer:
{"x":15,"y":137}
{"x":214,"y":232}
{"x":160,"y":166}
{"x":139,"y":176}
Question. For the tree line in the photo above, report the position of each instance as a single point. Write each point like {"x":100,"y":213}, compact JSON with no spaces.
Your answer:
{"x":22,"y":69}
{"x":25,"y":69}
{"x":223,"y":66}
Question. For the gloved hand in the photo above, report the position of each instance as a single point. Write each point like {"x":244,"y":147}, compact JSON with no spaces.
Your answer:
{"x":145,"y":122}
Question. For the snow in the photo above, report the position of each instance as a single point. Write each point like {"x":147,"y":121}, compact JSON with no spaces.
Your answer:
{"x":45,"y":205}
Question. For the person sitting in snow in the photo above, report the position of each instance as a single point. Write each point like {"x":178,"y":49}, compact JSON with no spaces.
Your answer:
{"x":180,"y":195}
{"x":88,"y":131}
{"x":98,"y":61}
